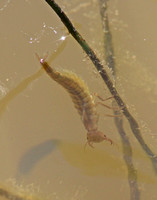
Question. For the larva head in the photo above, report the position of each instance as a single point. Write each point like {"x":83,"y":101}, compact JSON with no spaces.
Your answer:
{"x":96,"y":137}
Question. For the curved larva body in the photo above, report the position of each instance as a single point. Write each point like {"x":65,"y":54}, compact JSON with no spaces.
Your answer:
{"x":82,"y":99}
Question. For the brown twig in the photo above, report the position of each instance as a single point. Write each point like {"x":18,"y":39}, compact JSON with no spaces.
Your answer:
{"x":127,"y":149}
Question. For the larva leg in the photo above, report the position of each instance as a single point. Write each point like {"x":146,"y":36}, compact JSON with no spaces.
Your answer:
{"x":108,"y":115}
{"x":99,"y":97}
{"x":100,"y":103}
{"x":90,"y":144}
{"x":109,"y":107}
{"x":102,"y":99}
{"x":113,"y":108}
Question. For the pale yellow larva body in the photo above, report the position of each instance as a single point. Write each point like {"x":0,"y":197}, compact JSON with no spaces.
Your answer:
{"x":82,"y":99}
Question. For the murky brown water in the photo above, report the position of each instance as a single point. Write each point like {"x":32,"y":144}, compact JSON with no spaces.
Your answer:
{"x":42,"y":137}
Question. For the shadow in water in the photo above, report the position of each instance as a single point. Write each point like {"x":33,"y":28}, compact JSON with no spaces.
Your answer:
{"x":33,"y":156}
{"x":92,"y":162}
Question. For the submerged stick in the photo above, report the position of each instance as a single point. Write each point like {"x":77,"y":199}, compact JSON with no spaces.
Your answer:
{"x":127,"y":149}
{"x":133,"y":123}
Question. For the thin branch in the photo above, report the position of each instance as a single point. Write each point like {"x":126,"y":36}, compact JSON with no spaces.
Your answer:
{"x":127,"y":155}
{"x":127,"y":149}
{"x":108,"y":47}
{"x":133,"y":124}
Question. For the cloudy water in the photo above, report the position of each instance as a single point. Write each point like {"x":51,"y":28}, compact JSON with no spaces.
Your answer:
{"x":42,"y":137}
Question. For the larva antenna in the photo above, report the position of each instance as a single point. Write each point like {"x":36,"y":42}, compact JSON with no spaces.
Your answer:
{"x":41,"y":60}
{"x":37,"y":56}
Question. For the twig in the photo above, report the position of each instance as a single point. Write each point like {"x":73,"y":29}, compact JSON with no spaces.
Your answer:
{"x":127,"y":155}
{"x":133,"y":124}
{"x":127,"y":149}
{"x":108,"y":47}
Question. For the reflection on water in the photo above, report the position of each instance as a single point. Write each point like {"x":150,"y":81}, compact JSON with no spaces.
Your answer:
{"x":2,"y":7}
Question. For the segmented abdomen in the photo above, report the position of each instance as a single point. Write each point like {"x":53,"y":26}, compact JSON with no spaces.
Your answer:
{"x":79,"y":92}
